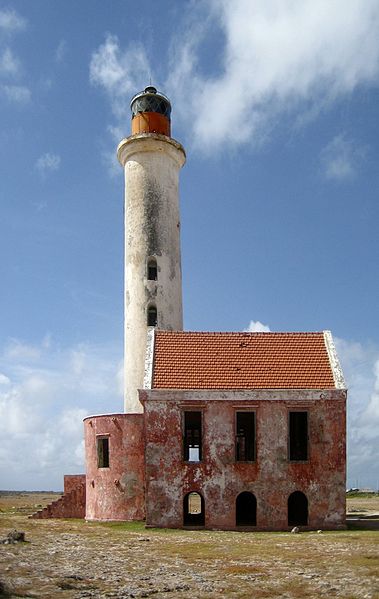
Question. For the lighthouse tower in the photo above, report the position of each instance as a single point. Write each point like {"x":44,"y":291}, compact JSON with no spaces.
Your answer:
{"x":153,"y":284}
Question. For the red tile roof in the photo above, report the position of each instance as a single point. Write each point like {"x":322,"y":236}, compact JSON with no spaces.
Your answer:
{"x":187,"y":360}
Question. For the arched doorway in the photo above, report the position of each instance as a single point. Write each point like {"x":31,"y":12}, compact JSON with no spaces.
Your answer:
{"x":193,"y":510}
{"x":297,"y":509}
{"x":246,"y":509}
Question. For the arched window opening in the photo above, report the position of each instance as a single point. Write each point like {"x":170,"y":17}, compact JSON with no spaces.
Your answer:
{"x":152,"y":269}
{"x":152,"y":316}
{"x":297,"y":509}
{"x":246,"y":509}
{"x":193,"y":510}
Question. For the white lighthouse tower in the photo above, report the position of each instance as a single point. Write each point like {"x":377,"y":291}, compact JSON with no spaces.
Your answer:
{"x":153,"y":281}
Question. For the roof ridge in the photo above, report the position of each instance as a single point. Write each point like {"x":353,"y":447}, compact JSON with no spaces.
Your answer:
{"x":265,"y":333}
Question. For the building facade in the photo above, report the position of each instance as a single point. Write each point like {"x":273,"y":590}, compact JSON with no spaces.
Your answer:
{"x":238,"y":431}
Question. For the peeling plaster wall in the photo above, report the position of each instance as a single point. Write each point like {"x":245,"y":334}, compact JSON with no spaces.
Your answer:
{"x":152,"y":229}
{"x":72,"y":481}
{"x":117,"y":492}
{"x":272,"y":478}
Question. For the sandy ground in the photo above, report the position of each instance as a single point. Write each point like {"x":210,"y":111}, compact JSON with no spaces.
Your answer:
{"x":74,"y":559}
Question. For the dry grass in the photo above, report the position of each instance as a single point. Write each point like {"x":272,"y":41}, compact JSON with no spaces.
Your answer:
{"x":363,"y":504}
{"x":74,"y":559}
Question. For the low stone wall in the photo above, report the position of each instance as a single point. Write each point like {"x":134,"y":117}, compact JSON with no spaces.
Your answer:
{"x":72,"y":504}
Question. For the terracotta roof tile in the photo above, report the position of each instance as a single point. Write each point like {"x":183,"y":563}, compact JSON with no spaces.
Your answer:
{"x":194,"y":360}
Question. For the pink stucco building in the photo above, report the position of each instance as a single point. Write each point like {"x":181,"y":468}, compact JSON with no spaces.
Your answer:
{"x":239,"y":431}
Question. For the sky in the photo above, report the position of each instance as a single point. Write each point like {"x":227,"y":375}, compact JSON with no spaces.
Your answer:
{"x":277,"y":105}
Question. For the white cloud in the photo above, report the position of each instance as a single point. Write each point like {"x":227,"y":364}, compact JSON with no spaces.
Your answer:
{"x":4,"y":380}
{"x":11,"y":21}
{"x":48,"y":162}
{"x":341,"y":158}
{"x":18,"y":350}
{"x":255,"y":326}
{"x":61,"y":51}
{"x":274,"y":60}
{"x":18,"y":94}
{"x":42,"y":404}
{"x":9,"y":63}
{"x":119,"y":72}
{"x":277,"y":58}
{"x":360,"y":364}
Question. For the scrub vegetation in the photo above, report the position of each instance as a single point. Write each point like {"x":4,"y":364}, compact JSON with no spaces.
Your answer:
{"x":75,"y":559}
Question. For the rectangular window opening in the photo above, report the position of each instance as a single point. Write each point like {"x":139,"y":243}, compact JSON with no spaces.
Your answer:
{"x":103,"y":452}
{"x":152,"y":272}
{"x":245,"y":436}
{"x":298,"y":436}
{"x":192,"y":437}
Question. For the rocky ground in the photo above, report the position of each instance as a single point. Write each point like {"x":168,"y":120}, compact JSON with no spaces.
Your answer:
{"x":74,"y":559}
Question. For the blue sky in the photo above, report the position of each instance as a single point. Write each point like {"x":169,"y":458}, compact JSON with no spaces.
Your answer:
{"x":277,"y":105}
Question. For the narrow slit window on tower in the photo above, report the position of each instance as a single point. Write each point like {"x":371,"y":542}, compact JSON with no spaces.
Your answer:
{"x":103,"y":452}
{"x":298,"y":436}
{"x":152,"y":316}
{"x":245,"y":436}
{"x":152,"y":270}
{"x":192,"y":437}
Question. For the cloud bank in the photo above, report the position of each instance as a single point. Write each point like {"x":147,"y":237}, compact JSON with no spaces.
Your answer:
{"x":278,"y":57}
{"x":360,"y":364}
{"x":45,"y":392}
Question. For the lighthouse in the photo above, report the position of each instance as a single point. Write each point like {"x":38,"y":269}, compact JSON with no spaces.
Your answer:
{"x":151,"y":159}
{"x":229,"y":430}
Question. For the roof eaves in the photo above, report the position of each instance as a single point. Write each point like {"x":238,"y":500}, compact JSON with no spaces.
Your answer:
{"x":339,"y":379}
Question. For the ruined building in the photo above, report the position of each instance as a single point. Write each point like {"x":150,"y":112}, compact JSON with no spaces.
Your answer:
{"x":219,"y":430}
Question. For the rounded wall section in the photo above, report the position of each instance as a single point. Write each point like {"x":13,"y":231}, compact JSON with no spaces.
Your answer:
{"x":151,"y":122}
{"x":115,"y":465}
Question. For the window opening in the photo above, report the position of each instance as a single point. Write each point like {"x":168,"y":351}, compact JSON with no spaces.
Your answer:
{"x":103,"y":452}
{"x":152,"y":270}
{"x":297,"y":509}
{"x":246,"y":509}
{"x":152,"y":316}
{"x":193,"y":510}
{"x":298,"y":436}
{"x":192,"y":436}
{"x":245,"y":436}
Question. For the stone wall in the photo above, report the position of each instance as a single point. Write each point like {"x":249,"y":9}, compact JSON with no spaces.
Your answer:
{"x":219,"y":478}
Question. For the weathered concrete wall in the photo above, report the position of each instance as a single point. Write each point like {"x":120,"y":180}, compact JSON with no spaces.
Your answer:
{"x":219,"y":478}
{"x":116,"y":492}
{"x":152,"y":229}
{"x":72,"y":481}
{"x":72,"y":504}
